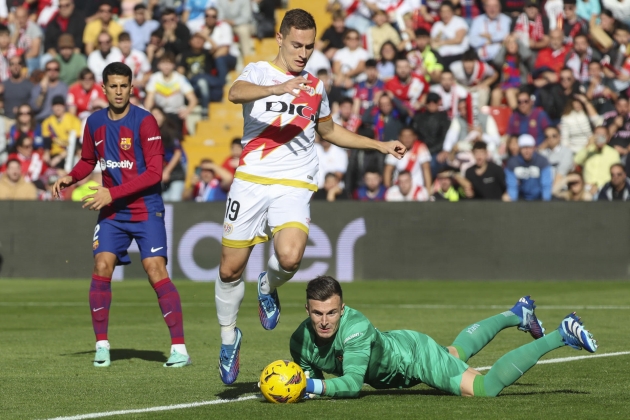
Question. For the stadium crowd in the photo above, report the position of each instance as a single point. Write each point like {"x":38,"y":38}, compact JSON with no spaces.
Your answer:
{"x":495,"y":99}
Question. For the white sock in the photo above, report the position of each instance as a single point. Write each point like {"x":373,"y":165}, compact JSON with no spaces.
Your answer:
{"x":276,"y":275}
{"x":179,"y":348}
{"x":228,"y":298}
{"x":102,"y":343}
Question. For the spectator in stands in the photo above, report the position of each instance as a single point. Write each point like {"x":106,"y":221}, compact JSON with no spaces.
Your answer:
{"x":174,"y":171}
{"x":85,"y":95}
{"x":264,"y":13}
{"x":571,"y":188}
{"x":91,"y":8}
{"x":618,"y":122}
{"x":345,"y":117}
{"x":380,"y":33}
{"x":357,"y":14}
{"x":17,"y":90}
{"x":451,"y":186}
{"x":332,"y":190}
{"x":7,"y":51}
{"x":335,"y":93}
{"x":197,"y":64}
{"x":373,"y":188}
{"x":596,"y":159}
{"x":514,"y":62}
{"x":136,"y":60}
{"x":404,"y":190}
{"x":220,"y":42}
{"x":619,"y":9}
{"x":70,"y":62}
{"x":474,"y":75}
{"x":550,"y":60}
{"x":449,"y":36}
{"x":423,"y":59}
{"x":194,"y":13}
{"x":532,"y":27}
{"x":349,"y":62}
{"x":13,"y":186}
{"x":465,"y":132}
{"x":618,"y":188}
{"x":488,"y":31}
{"x":236,"y":150}
{"x":333,"y":37}
{"x":44,"y":92}
{"x":32,"y":161}
{"x":450,"y":93}
{"x":157,"y":8}
{"x":528,"y":175}
{"x":238,"y":13}
{"x":175,"y":35}
{"x":25,"y":125}
{"x":358,"y":162}
{"x":68,"y":20}
{"x":431,"y":126}
{"x":416,"y":160}
{"x":510,"y":150}
{"x":170,"y":91}
{"x":104,"y":55}
{"x":27,"y":36}
{"x":580,"y":57}
{"x":140,"y":28}
{"x":528,"y":120}
{"x":600,"y":90}
{"x":384,"y":119}
{"x":576,"y":123}
{"x":572,"y":25}
{"x":332,"y":159}
{"x":57,"y":129}
{"x":103,"y":23}
{"x":386,"y":65}
{"x":155,"y":50}
{"x":553,"y":97}
{"x":486,"y":178}
{"x":365,"y":91}
{"x":586,"y":9}
{"x":411,"y":89}
{"x":210,"y":183}
{"x":559,"y":156}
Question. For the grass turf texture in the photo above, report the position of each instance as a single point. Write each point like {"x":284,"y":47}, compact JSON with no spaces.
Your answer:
{"x":47,"y":350}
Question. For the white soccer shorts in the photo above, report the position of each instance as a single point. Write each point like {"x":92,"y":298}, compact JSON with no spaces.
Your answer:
{"x":250,"y":207}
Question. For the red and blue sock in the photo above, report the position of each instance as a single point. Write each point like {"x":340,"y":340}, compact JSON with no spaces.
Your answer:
{"x":171,"y":307}
{"x":100,"y":301}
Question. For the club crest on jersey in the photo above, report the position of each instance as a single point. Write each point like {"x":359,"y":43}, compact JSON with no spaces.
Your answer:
{"x":125,"y":143}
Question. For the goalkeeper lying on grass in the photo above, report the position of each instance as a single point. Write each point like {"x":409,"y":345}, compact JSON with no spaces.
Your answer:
{"x":340,"y":340}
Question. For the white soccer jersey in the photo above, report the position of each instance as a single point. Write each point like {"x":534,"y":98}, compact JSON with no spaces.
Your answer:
{"x":279,"y":133}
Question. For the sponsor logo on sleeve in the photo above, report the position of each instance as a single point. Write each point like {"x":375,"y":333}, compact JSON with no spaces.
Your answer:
{"x":154,"y":138}
{"x":355,"y":335}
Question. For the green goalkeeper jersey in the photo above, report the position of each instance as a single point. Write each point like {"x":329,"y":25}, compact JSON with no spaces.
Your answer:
{"x":359,"y":354}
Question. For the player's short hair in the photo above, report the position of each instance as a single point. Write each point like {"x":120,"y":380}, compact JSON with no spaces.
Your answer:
{"x":117,"y":69}
{"x":124,"y":36}
{"x":480,"y":145}
{"x":322,"y":288}
{"x":298,"y":19}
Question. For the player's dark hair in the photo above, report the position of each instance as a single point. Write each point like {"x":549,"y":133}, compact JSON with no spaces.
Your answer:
{"x":124,"y":36}
{"x":117,"y":69}
{"x":298,"y":19}
{"x":479,"y":145}
{"x":322,"y":288}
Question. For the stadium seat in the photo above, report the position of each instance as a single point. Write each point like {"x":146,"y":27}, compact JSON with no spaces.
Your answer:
{"x":501,"y":115}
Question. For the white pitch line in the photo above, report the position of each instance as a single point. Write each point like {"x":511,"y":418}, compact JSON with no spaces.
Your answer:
{"x":568,"y":359}
{"x":356,"y":305}
{"x":252,"y":397}
{"x":154,"y":409}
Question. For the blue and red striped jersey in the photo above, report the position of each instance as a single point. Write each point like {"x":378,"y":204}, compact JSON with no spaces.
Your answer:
{"x":123,"y":148}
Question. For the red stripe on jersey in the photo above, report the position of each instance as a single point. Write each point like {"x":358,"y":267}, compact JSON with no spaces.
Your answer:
{"x":126,"y":151}
{"x":275,"y":135}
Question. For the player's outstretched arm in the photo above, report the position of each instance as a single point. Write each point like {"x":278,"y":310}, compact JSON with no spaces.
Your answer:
{"x":338,"y":135}
{"x":243,"y":92}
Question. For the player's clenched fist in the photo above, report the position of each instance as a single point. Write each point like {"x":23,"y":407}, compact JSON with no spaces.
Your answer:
{"x":394,"y":148}
{"x":60,"y":184}
{"x":293,"y":86}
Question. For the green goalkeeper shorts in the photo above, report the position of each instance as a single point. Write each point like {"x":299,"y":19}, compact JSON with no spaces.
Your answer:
{"x":432,"y":364}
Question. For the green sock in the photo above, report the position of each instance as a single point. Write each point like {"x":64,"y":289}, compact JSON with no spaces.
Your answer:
{"x":514,"y":364}
{"x":476,"y":336}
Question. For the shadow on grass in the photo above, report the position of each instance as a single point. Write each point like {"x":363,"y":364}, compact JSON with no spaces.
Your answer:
{"x":379,"y":392}
{"x":557,"y":391}
{"x":127,"y":354}
{"x":238,"y":390}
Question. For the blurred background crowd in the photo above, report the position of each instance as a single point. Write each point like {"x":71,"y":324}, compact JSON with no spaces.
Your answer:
{"x":495,"y":99}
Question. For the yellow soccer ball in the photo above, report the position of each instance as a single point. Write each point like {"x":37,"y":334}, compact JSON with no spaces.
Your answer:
{"x":283,"y":382}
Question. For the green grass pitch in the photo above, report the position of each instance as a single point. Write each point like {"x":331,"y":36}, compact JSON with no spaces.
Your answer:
{"x":46,"y":351}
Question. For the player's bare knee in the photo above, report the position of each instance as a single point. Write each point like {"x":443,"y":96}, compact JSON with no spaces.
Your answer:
{"x":289,"y":259}
{"x":228,"y":274}
{"x":103,"y":268}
